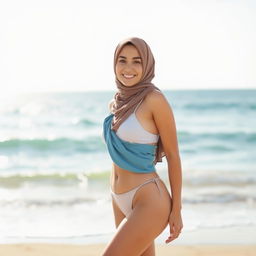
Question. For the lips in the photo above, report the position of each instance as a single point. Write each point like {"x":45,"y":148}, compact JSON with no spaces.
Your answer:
{"x":128,"y":76}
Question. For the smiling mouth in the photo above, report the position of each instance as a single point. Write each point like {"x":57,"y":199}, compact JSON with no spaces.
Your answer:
{"x":128,"y":76}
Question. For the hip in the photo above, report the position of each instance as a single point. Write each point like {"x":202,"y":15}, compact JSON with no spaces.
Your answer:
{"x":122,"y":180}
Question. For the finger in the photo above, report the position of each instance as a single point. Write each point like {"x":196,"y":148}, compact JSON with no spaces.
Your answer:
{"x":174,"y":233}
{"x":172,"y":229}
{"x":172,"y":237}
{"x":169,"y":239}
{"x":177,"y":232}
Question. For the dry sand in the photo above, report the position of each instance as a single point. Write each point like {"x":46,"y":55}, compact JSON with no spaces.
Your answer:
{"x":97,"y":249}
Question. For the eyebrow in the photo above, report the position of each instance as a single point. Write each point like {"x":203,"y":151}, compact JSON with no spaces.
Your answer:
{"x":133,"y":57}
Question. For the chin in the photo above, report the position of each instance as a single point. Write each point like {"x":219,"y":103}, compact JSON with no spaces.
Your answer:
{"x":130,"y":83}
{"x":126,"y":84}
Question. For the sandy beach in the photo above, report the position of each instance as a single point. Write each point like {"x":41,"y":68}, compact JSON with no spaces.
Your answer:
{"x":51,"y":204}
{"x":235,"y":241}
{"x":97,"y":249}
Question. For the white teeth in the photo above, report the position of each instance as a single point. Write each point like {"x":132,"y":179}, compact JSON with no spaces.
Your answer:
{"x":128,"y":76}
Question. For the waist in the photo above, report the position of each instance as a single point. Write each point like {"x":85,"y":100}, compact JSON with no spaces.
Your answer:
{"x":123,"y":180}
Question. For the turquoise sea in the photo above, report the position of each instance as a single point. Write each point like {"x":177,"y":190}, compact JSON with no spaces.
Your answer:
{"x":54,"y":165}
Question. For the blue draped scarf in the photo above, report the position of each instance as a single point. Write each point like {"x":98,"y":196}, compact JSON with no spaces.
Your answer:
{"x":131,"y":156}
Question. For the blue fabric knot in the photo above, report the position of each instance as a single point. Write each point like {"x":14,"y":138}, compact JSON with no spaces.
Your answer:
{"x":131,"y":156}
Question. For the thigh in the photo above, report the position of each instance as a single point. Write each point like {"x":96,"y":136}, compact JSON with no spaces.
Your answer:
{"x":119,"y":217}
{"x":147,"y":220}
{"x":118,"y":214}
{"x":150,"y":251}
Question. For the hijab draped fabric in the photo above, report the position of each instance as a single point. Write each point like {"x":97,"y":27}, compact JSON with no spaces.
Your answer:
{"x":127,"y":97}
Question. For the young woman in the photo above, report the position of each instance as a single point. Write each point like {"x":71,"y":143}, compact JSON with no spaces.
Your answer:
{"x":138,"y":132}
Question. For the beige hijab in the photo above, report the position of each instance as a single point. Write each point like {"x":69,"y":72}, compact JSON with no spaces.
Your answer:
{"x":127,"y":97}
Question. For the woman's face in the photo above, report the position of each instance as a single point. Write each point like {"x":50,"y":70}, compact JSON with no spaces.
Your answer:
{"x":129,"y":66}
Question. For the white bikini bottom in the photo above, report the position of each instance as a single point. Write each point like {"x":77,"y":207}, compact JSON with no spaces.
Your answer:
{"x":124,"y":200}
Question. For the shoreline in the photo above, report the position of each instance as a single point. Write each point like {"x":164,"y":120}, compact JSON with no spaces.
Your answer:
{"x":204,"y":236}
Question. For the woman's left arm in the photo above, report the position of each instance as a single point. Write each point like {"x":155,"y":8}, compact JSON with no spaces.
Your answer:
{"x":165,"y":122}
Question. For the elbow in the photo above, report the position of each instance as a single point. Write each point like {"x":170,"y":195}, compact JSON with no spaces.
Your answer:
{"x":172,"y":155}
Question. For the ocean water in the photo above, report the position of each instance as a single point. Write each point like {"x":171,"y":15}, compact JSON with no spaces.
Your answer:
{"x":55,"y":169}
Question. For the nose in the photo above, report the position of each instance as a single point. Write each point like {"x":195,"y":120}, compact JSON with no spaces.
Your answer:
{"x":128,"y":67}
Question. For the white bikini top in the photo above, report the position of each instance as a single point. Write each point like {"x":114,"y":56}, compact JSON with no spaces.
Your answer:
{"x":131,"y":130}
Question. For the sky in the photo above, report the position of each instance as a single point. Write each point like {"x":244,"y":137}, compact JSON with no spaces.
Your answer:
{"x":59,"y":45}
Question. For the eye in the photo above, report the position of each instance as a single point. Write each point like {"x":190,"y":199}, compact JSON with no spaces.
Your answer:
{"x":138,"y":62}
{"x":122,"y":61}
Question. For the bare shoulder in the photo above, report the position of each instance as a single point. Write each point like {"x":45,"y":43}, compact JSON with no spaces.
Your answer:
{"x":165,"y":122}
{"x":156,"y":100}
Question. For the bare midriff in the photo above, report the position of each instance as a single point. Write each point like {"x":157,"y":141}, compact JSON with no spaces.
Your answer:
{"x":122,"y":180}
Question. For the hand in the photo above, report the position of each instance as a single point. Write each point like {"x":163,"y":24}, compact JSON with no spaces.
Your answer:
{"x":175,"y":222}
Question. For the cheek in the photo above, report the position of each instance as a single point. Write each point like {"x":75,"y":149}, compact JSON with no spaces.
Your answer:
{"x":118,"y":68}
{"x":140,"y":71}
